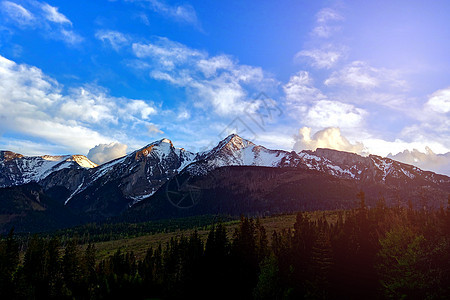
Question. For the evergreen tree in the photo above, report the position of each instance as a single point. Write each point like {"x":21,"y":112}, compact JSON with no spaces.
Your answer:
{"x":55,"y":277}
{"x":9,"y":260}
{"x":72,"y":269}
{"x":35,"y":268}
{"x":268,"y":286}
{"x":322,"y":261}
{"x":399,"y":254}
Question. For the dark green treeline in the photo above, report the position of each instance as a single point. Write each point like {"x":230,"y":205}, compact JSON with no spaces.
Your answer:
{"x":375,"y":253}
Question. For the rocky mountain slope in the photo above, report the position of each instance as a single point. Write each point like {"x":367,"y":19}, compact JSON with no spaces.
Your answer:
{"x":146,"y":175}
{"x":16,"y":169}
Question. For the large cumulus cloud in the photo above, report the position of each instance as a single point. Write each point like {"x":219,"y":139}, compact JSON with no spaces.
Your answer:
{"x":330,"y":137}
{"x":106,"y":152}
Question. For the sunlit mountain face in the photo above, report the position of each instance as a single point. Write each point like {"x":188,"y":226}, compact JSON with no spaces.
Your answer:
{"x":162,"y":149}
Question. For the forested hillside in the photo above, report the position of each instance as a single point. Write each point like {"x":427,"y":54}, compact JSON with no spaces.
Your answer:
{"x":367,"y":253}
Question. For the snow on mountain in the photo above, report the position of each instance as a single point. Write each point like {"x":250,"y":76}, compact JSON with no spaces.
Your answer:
{"x":141,"y":173}
{"x":16,"y":169}
{"x":372,"y":168}
{"x":236,"y":151}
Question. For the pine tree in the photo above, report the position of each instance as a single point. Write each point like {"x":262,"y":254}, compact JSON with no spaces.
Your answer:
{"x":9,"y":260}
{"x":322,"y":261}
{"x":35,"y":267}
{"x":55,"y":278}
{"x":262,"y":243}
{"x":71,"y":268}
{"x":268,"y":286}
{"x":90,"y":268}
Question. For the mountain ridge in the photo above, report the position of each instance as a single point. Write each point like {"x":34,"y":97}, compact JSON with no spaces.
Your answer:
{"x":231,"y":151}
{"x":110,"y":189}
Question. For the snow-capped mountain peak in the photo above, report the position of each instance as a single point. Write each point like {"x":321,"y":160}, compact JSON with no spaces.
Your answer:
{"x":160,"y":148}
{"x":83,"y":161}
{"x":236,"y":151}
{"x":234,"y":142}
{"x":16,"y":169}
{"x":141,"y":173}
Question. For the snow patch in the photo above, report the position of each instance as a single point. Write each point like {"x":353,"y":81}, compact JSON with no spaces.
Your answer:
{"x":139,"y":198}
{"x":75,"y":192}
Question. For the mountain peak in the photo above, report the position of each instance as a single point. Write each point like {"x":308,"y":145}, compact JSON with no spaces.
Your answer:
{"x":234,"y":141}
{"x":83,"y":161}
{"x":164,"y":140}
{"x":163,"y":146}
{"x":9,"y":155}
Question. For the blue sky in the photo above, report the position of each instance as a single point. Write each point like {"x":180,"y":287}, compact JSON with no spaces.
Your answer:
{"x":112,"y":76}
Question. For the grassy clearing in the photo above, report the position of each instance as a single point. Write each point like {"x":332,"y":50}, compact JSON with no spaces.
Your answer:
{"x":139,"y":245}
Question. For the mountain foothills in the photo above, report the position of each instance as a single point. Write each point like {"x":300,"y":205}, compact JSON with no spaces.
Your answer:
{"x":235,"y":177}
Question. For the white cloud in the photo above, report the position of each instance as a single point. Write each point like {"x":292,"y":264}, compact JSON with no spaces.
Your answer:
{"x":326,"y":20}
{"x":209,"y":67}
{"x":36,"y":106}
{"x":103,"y":153}
{"x":300,"y":89}
{"x":433,"y":132}
{"x":327,"y":113}
{"x":384,"y":147}
{"x":183,"y":13}
{"x":53,"y":15}
{"x":217,"y":82}
{"x":166,"y":52}
{"x":116,"y":39}
{"x":73,"y":136}
{"x":69,"y":36}
{"x":86,"y":106}
{"x":183,"y":115}
{"x":328,"y":14}
{"x":224,"y":94}
{"x":143,"y":18}
{"x":153,"y":129}
{"x":359,"y":74}
{"x":276,"y":139}
{"x":439,"y":101}
{"x":429,"y":160}
{"x":17,"y":13}
{"x":29,"y":148}
{"x":43,"y":17}
{"x":327,"y":138}
{"x":321,"y":59}
{"x":139,"y":107}
{"x":432,"y":122}
{"x":325,"y":57}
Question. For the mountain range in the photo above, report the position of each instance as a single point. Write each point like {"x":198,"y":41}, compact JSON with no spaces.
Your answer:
{"x":235,"y":177}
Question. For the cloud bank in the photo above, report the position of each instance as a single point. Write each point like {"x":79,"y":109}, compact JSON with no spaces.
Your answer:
{"x":219,"y":82}
{"x":37,"y":106}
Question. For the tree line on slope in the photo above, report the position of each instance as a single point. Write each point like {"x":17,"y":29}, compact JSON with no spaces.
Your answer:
{"x":376,"y":253}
